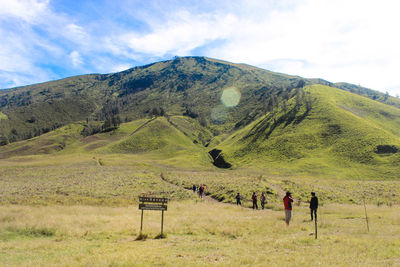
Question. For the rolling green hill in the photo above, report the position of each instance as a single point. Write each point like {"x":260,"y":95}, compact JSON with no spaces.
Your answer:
{"x":191,"y":86}
{"x":176,"y":140}
{"x":342,"y":135}
{"x":177,"y":111}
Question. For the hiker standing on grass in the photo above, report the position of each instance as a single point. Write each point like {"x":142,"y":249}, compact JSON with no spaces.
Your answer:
{"x":287,"y":202}
{"x":238,"y":199}
{"x":313,"y":206}
{"x":194,"y":188}
{"x":254,"y":198}
{"x":201,"y":191}
{"x":262,"y":200}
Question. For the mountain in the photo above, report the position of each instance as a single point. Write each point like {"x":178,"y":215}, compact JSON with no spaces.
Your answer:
{"x":180,"y":86}
{"x":202,"y":110}
{"x":342,"y":135}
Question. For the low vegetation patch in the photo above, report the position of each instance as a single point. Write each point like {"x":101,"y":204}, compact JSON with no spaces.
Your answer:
{"x":12,"y":232}
{"x":3,"y":116}
{"x":199,"y":233}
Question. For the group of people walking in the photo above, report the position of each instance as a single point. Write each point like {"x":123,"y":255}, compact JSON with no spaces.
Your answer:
{"x":254,"y":198}
{"x":287,"y":203}
{"x":288,"y":200}
{"x":199,"y":189}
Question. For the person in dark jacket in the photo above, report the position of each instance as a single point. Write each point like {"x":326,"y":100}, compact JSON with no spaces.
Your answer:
{"x":254,"y":198}
{"x":238,"y":199}
{"x":262,"y":200}
{"x":313,"y":206}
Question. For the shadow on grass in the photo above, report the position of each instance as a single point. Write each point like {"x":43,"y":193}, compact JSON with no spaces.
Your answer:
{"x":161,"y":236}
{"x":141,"y":237}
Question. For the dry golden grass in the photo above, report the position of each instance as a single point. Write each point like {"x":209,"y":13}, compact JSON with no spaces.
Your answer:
{"x":199,"y":233}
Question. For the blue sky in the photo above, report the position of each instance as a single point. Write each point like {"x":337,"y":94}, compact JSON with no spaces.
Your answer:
{"x":355,"y":41}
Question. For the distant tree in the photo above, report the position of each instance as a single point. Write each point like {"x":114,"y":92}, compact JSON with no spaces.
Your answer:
{"x":298,"y":98}
{"x":189,"y":112}
{"x":284,"y":105}
{"x":91,"y":129}
{"x":285,"y":95}
{"x":203,"y":120}
{"x":162,"y":112}
{"x":28,"y":135}
{"x":300,"y":84}
{"x":107,"y":124}
{"x":308,"y":102}
{"x":32,"y":119}
{"x":274,"y":99}
{"x":386,"y":96}
{"x":158,"y":111}
{"x":115,"y":121}
{"x":155,"y":112}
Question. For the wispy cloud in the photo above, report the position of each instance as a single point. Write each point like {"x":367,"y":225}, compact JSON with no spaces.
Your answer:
{"x":354,"y":41}
{"x":76,"y":33}
{"x":27,"y":10}
{"x":76,"y":58}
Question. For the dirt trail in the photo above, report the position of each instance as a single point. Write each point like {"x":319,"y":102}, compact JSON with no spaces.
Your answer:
{"x":205,"y":197}
{"x":280,"y":192}
{"x":141,"y":126}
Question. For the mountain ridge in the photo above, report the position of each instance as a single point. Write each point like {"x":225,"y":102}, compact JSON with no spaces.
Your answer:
{"x":237,"y":114}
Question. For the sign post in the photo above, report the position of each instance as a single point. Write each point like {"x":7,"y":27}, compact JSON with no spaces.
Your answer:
{"x":153,"y":203}
{"x":316,"y":228}
{"x":366,"y":216}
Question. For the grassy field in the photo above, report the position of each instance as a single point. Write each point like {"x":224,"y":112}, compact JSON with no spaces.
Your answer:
{"x":119,"y":179}
{"x":198,"y":233}
{"x":81,"y":210}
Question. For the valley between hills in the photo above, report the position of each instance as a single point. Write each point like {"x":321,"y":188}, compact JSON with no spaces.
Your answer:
{"x":75,"y":155}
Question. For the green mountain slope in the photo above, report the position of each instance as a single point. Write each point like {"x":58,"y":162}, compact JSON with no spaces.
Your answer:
{"x":158,"y":134}
{"x":177,"y":111}
{"x":172,"y":141}
{"x":49,"y":143}
{"x":191,"y":86}
{"x":342,"y":135}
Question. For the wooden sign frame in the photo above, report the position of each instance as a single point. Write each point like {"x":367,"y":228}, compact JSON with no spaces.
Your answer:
{"x":153,"y":203}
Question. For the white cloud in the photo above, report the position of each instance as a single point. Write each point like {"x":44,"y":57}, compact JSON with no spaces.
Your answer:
{"x":76,"y":33}
{"x":179,"y":35}
{"x":120,"y":67}
{"x":76,"y":58}
{"x":353,"y":41}
{"x":345,"y":40}
{"x":28,"y":10}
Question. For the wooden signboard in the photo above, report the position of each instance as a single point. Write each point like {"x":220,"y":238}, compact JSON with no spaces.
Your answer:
{"x":153,"y":203}
{"x":143,"y":206}
{"x":153,"y":199}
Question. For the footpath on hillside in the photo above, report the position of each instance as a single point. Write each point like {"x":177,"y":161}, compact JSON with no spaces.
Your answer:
{"x":208,"y":197}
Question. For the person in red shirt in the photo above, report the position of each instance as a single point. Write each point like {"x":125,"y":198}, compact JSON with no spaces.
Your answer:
{"x":287,"y":202}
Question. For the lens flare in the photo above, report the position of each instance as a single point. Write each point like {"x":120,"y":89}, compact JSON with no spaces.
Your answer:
{"x":231,"y":97}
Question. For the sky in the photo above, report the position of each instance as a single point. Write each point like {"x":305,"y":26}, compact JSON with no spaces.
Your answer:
{"x":355,"y":41}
